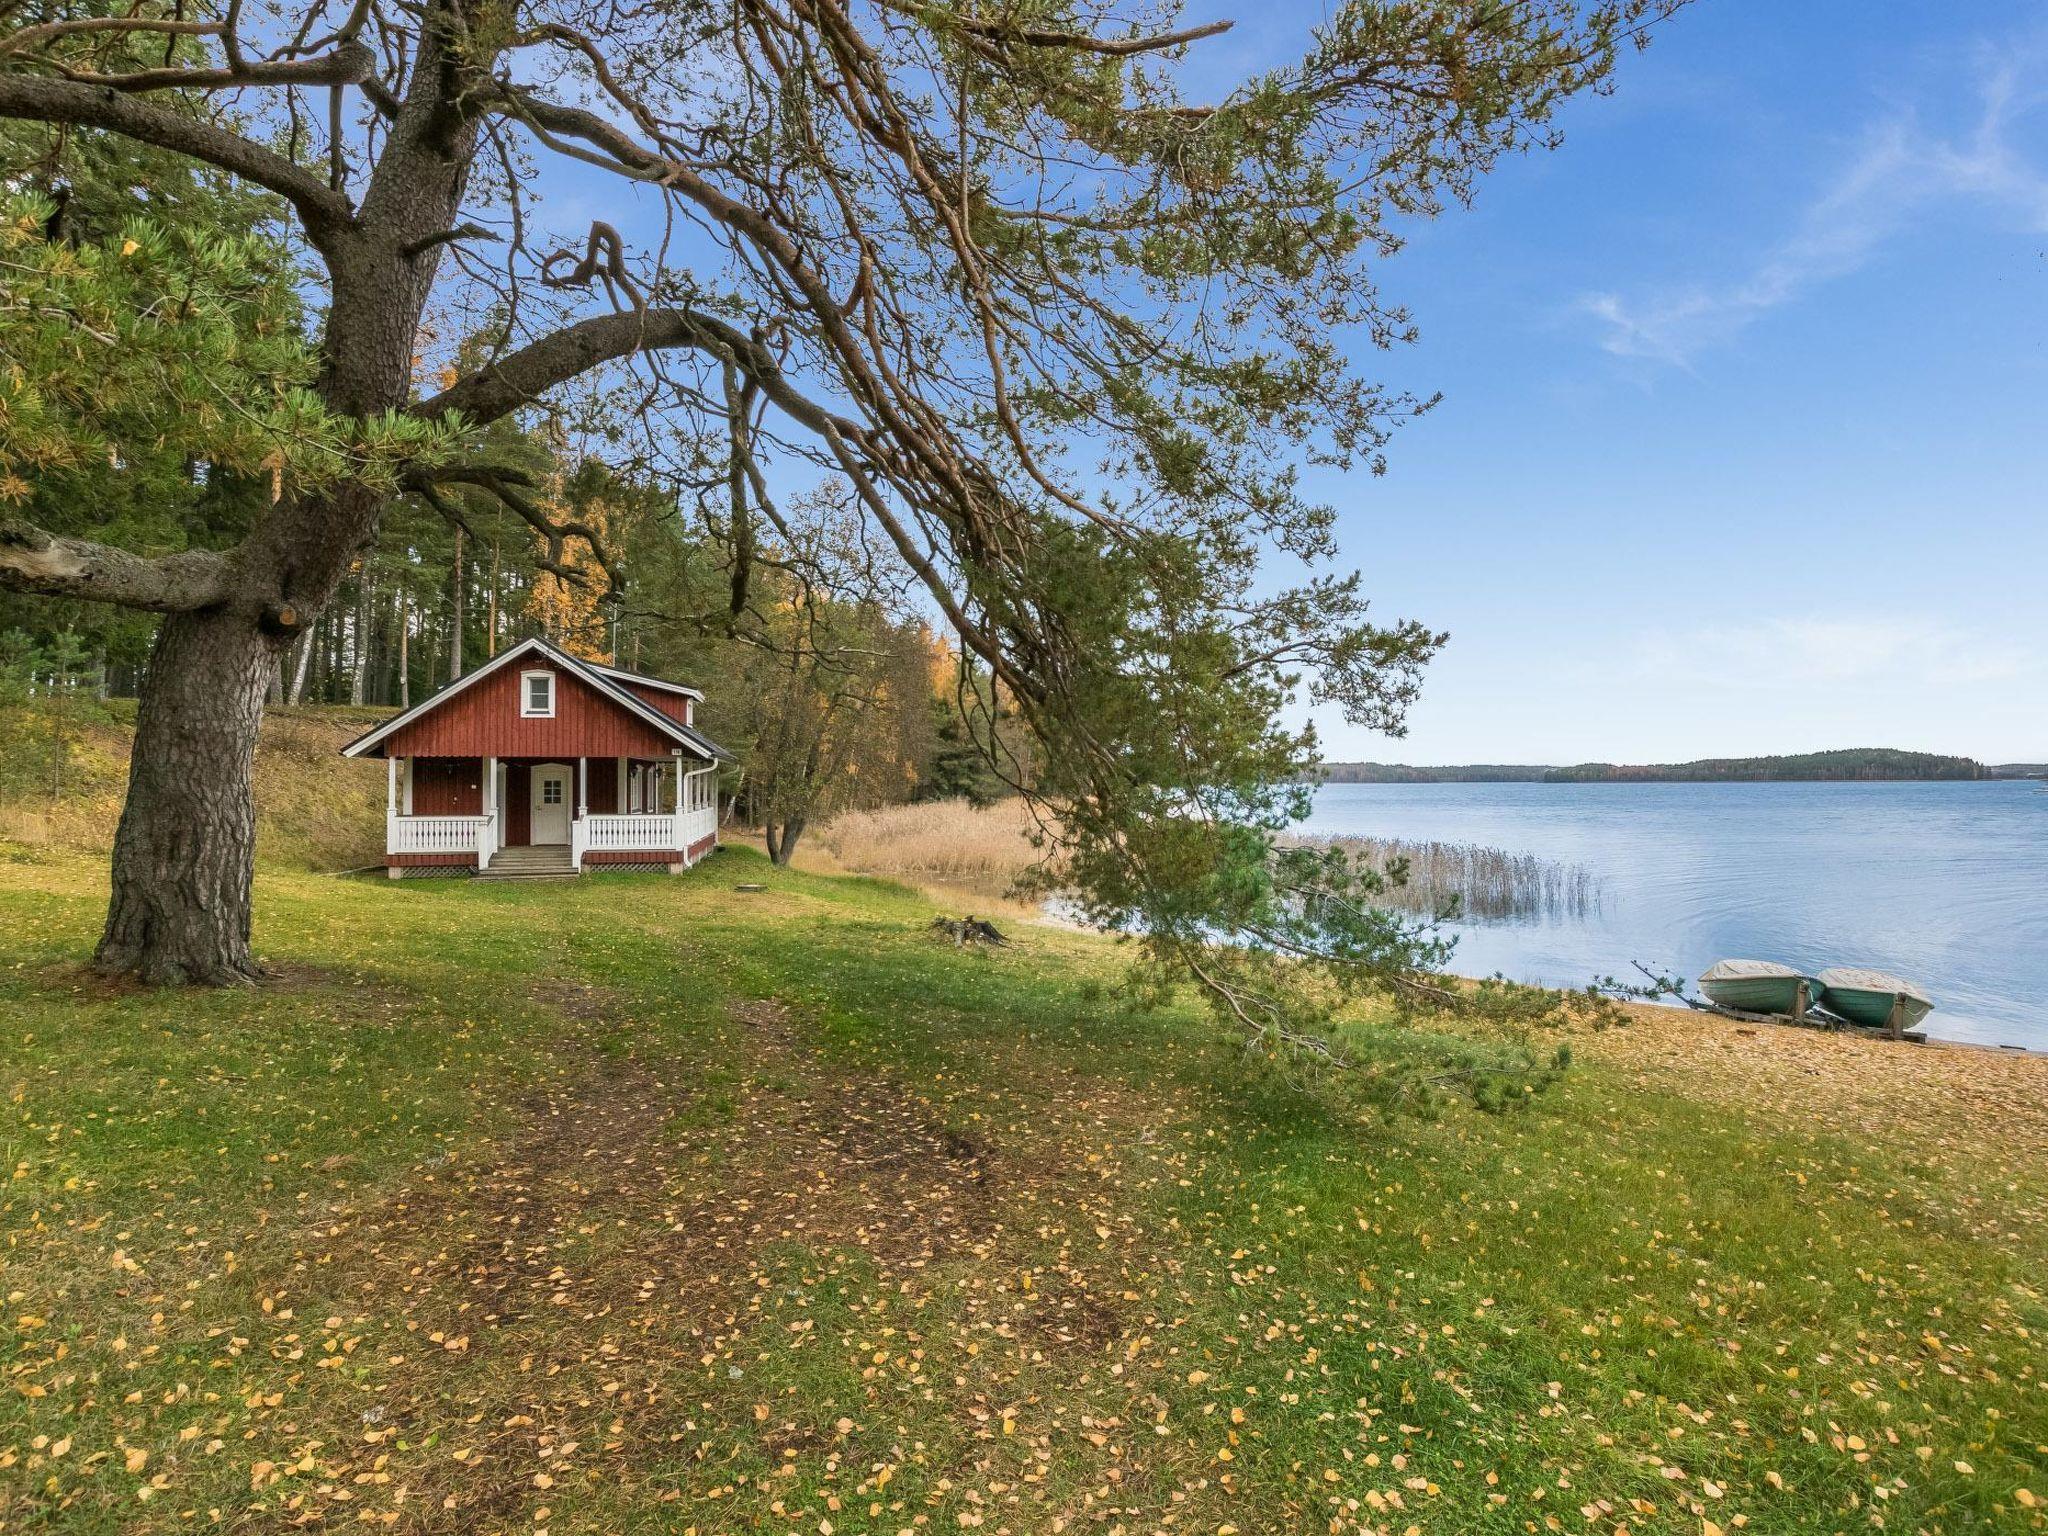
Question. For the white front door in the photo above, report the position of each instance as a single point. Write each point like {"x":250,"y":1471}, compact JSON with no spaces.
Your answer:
{"x":551,"y":790}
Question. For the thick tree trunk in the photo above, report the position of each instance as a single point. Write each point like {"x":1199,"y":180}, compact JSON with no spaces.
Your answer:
{"x":184,"y":856}
{"x":186,"y":847}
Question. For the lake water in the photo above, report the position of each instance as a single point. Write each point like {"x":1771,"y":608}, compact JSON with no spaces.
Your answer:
{"x":1946,"y":884}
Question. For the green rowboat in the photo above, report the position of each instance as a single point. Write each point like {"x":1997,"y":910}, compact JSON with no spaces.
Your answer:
{"x":1757,"y":986}
{"x":1867,"y":997}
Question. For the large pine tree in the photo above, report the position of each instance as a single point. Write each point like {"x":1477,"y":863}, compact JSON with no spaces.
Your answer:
{"x":1064,"y":332}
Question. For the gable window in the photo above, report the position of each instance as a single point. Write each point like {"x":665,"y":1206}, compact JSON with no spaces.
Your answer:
{"x":537,"y":694}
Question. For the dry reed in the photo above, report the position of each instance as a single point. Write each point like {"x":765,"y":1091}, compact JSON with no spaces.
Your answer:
{"x":1487,"y":884}
{"x":944,"y":842}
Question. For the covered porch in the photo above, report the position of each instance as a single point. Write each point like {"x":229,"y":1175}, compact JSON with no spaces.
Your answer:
{"x":565,"y":815}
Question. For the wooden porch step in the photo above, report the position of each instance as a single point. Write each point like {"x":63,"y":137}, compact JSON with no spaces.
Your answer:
{"x":548,"y":862}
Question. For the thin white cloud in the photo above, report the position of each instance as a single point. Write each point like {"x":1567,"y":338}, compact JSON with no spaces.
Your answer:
{"x":1806,"y":653}
{"x":1901,"y":173}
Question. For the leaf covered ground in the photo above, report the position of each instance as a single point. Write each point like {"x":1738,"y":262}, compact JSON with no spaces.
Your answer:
{"x":644,"y":1204}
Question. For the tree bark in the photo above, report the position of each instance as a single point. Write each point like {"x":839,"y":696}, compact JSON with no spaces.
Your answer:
{"x":455,"y":637}
{"x":404,"y":653}
{"x":186,"y":847}
{"x":783,"y":848}
{"x":360,"y":660}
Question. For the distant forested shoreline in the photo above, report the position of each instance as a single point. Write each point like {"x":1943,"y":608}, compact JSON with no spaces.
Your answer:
{"x":1869,"y":764}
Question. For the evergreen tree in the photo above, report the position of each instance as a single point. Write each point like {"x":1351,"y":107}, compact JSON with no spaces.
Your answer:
{"x":1063,"y":332}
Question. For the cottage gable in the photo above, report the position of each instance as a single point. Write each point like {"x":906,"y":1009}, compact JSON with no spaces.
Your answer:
{"x":537,"y":701}
{"x":495,"y":717}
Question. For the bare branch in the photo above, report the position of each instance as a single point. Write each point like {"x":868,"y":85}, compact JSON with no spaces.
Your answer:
{"x":326,"y":212}
{"x":604,"y":257}
{"x":527,"y":375}
{"x":50,"y":31}
{"x":350,"y":63}
{"x":463,"y":231}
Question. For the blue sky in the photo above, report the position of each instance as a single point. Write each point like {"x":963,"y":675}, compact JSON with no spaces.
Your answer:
{"x":1744,"y":438}
{"x":1744,"y":444}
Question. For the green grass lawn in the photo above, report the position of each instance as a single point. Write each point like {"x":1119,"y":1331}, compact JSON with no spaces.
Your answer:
{"x":644,"y":1204}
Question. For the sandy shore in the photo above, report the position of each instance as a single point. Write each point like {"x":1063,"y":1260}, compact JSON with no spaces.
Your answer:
{"x":1951,"y":1102}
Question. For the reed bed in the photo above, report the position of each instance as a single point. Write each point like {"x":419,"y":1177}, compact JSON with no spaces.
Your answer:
{"x":943,"y":842}
{"x":949,"y":842}
{"x":1486,"y":884}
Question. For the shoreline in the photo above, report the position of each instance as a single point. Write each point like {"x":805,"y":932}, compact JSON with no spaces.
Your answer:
{"x":977,"y":902}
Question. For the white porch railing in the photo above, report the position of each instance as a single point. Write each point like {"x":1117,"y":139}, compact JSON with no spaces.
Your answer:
{"x":438,"y":834}
{"x":695,"y":826}
{"x":443,"y":834}
{"x":628,"y":834}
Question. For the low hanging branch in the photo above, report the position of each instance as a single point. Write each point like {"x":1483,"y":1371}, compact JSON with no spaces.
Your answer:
{"x":52,"y":565}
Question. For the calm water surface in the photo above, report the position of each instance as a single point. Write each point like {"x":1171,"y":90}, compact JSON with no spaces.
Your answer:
{"x":1944,"y":883}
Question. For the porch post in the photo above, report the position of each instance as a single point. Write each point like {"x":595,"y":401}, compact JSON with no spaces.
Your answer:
{"x":619,"y":799}
{"x":582,"y":786}
{"x":405,"y":793}
{"x":682,"y":837}
{"x":391,"y":815}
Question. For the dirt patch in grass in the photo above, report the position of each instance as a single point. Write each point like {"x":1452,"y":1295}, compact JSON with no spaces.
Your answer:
{"x":88,"y":985}
{"x":347,"y":996}
{"x":765,"y":1020}
{"x":581,"y":1001}
{"x":567,"y":1297}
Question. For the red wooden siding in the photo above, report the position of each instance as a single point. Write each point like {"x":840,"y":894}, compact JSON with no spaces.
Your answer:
{"x":430,"y":861}
{"x":484,"y":721}
{"x":447,"y":786}
{"x":675,"y":705}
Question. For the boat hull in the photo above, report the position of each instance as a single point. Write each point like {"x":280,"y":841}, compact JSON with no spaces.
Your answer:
{"x":1760,"y":994}
{"x":1873,"y":1008}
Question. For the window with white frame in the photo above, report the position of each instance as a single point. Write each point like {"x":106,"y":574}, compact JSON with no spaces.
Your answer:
{"x":537,"y":694}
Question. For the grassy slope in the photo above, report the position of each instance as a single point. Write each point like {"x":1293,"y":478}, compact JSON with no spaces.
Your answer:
{"x":638,"y":1204}
{"x":315,"y":810}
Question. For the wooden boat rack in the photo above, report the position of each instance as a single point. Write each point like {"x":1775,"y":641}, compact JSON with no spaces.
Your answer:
{"x":1805,"y":1017}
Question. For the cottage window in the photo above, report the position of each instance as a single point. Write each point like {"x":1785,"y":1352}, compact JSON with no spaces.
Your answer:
{"x":537,"y":694}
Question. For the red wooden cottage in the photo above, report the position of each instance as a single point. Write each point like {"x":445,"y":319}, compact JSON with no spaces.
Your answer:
{"x":541,"y":763}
